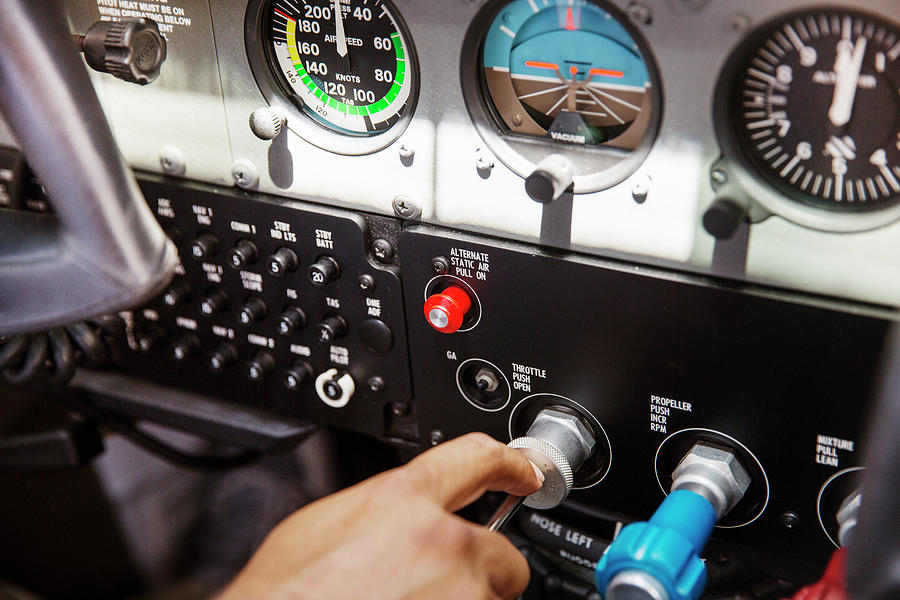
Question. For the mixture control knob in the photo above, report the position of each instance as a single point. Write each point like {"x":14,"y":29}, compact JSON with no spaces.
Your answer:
{"x":331,"y":328}
{"x":215,"y":301}
{"x":223,"y":356}
{"x":204,"y":245}
{"x":446,"y":310}
{"x":283,"y":261}
{"x":177,"y":293}
{"x":254,"y":309}
{"x":185,"y":346}
{"x":299,"y":374}
{"x":244,"y":253}
{"x":292,"y":319}
{"x":267,"y":122}
{"x":262,"y":364}
{"x":131,"y":49}
{"x":550,"y":178}
{"x":558,"y":442}
{"x":324,"y":270}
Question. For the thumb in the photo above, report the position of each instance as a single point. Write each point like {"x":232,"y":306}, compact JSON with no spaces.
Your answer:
{"x":457,"y":472}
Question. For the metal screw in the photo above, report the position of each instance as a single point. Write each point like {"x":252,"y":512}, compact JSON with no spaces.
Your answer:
{"x":436,"y":437}
{"x":244,"y":174}
{"x":366,"y":283}
{"x":738,"y":22}
{"x":719,"y":176}
{"x":517,"y":120}
{"x":405,"y":207}
{"x":789,"y":520}
{"x":377,"y":384}
{"x":406,"y":151}
{"x":640,"y":13}
{"x":440,"y":265}
{"x":641,"y":189}
{"x":171,"y":160}
{"x":482,"y":162}
{"x":399,"y":409}
{"x":383,"y":250}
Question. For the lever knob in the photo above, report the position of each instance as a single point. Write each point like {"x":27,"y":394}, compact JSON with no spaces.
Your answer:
{"x":550,"y":178}
{"x":558,"y":442}
{"x":132,"y":49}
{"x":267,"y":122}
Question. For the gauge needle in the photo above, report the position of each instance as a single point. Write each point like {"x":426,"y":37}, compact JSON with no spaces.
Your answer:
{"x":847,"y":68}
{"x":340,"y":36}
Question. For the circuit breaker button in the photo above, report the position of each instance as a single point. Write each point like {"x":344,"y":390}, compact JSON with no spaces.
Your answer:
{"x":376,"y":335}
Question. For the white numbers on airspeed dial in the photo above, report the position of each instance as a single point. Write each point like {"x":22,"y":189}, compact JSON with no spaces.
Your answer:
{"x":345,"y":62}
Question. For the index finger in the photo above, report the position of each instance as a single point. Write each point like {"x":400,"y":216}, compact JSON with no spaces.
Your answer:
{"x":457,"y":472}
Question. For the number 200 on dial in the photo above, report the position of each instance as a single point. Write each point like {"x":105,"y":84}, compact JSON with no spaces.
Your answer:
{"x":346,"y":61}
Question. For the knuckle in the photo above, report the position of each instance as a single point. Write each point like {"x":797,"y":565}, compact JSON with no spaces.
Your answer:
{"x":453,"y":538}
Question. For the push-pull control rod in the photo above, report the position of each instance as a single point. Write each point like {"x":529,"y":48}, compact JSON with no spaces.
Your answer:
{"x":558,"y":442}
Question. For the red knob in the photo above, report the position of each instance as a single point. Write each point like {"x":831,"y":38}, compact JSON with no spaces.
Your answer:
{"x":445,"y":311}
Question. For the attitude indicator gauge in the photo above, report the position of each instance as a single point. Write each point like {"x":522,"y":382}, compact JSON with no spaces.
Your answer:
{"x":569,"y":71}
{"x":811,"y":106}
{"x":347,"y":64}
{"x":572,"y":78}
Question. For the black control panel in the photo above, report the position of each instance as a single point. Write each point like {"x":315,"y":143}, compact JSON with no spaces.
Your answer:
{"x":278,"y":305}
{"x":654,"y":362}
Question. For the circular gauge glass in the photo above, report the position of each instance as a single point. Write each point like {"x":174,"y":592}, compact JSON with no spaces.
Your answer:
{"x":811,"y":104}
{"x":346,"y":63}
{"x":570,"y":71}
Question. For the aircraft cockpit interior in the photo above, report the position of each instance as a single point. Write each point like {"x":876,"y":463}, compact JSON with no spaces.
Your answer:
{"x":255,"y":252}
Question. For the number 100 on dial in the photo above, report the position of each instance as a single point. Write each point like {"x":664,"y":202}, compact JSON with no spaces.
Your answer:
{"x":345,"y":62}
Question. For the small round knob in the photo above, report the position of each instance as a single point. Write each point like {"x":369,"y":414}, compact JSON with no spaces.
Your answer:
{"x":244,"y":253}
{"x":722,"y":219}
{"x":262,"y":364}
{"x":335,"y":388}
{"x":224,"y":355}
{"x":204,"y":245}
{"x":292,"y":319}
{"x":283,"y":261}
{"x":185,"y":346}
{"x":330,"y":329}
{"x":299,"y":374}
{"x":215,"y":301}
{"x":550,"y":179}
{"x":149,"y":337}
{"x":254,"y":309}
{"x":445,"y":311}
{"x":131,"y":49}
{"x":177,"y":293}
{"x":267,"y":122}
{"x":322,"y":271}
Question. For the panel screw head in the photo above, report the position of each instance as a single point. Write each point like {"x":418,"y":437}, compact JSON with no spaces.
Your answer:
{"x":436,"y":437}
{"x":406,"y":151}
{"x":641,"y":189}
{"x":171,"y":160}
{"x":405,"y":207}
{"x":383,"y":250}
{"x":789,"y":520}
{"x":366,"y":282}
{"x":719,"y":176}
{"x":440,"y":265}
{"x":376,"y":384}
{"x":640,"y":13}
{"x":244,"y":174}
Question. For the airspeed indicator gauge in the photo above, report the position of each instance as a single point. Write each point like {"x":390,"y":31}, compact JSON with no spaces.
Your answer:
{"x":347,"y":64}
{"x":810,"y":106}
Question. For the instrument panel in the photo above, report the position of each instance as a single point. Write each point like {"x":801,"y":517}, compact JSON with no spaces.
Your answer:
{"x":442,"y":111}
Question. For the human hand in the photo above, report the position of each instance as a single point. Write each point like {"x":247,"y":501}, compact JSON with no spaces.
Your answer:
{"x":394,"y":536}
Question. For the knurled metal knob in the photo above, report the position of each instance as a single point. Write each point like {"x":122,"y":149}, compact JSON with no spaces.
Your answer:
{"x":267,"y":122}
{"x":553,"y":464}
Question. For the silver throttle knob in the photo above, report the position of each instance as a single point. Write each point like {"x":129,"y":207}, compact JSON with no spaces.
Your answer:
{"x":558,"y":442}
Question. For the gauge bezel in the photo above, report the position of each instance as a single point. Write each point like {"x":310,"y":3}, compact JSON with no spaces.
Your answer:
{"x":596,"y":167}
{"x":278,"y":93}
{"x":761,"y":186}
